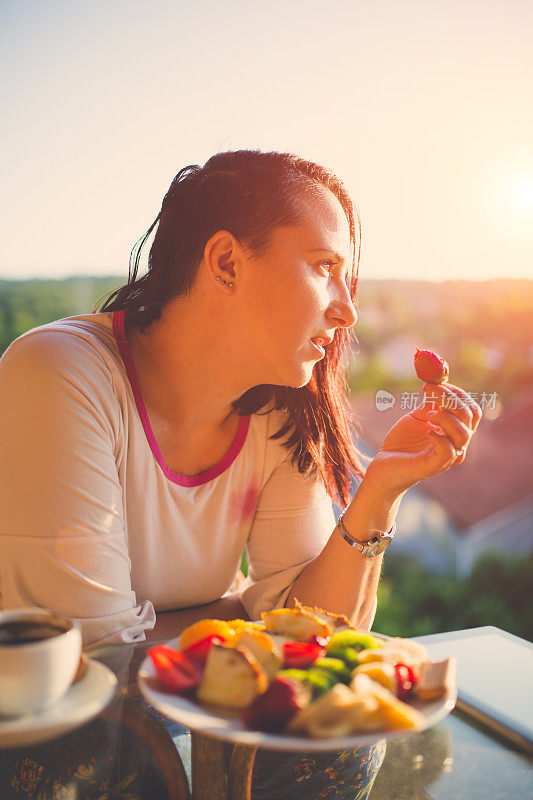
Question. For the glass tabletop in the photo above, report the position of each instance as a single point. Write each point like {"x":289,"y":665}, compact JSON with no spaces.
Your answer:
{"x":129,"y":750}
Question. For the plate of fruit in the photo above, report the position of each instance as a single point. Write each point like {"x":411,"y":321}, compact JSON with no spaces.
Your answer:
{"x":301,"y":679}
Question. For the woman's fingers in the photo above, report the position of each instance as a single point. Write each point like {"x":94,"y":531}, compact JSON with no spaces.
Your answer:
{"x":455,"y":400}
{"x":443,"y":397}
{"x":456,"y":431}
{"x":468,"y":400}
{"x":446,"y":452}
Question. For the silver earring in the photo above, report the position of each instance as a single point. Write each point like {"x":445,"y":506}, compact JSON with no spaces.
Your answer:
{"x":220,"y":279}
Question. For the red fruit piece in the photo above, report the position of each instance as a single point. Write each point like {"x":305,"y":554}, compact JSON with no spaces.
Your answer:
{"x":299,"y":655}
{"x":199,"y":651}
{"x":406,"y":680}
{"x":176,"y":672}
{"x":430,"y":367}
{"x":272,"y":710}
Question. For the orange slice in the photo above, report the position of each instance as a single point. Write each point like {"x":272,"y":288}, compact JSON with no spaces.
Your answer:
{"x":206,"y":627}
{"x":239,"y":625}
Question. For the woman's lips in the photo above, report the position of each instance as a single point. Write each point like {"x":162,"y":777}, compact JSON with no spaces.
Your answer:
{"x":317,"y":344}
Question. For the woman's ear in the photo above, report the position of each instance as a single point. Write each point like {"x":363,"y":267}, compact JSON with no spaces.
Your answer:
{"x":222,"y":256}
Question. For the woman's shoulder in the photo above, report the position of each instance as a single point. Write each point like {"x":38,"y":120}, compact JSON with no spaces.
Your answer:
{"x":95,"y":328}
{"x":270,"y":420}
{"x":76,"y":355}
{"x":82,"y":339}
{"x":66,"y":368}
{"x":264,"y":424}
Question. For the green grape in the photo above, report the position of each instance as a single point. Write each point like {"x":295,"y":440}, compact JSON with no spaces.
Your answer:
{"x":320,"y":680}
{"x":358,"y":641}
{"x":336,"y":666}
{"x":295,"y":674}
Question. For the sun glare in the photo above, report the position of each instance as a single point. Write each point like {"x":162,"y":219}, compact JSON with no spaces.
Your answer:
{"x":508,"y":205}
{"x":520,"y":193}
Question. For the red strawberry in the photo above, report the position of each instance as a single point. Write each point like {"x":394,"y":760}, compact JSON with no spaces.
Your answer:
{"x":299,"y":655}
{"x":175,"y":671}
{"x":272,"y":710}
{"x":430,"y":367}
{"x":199,"y":651}
{"x":406,"y":680}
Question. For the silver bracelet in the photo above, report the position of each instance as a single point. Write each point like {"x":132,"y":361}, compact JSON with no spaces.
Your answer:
{"x":364,"y":547}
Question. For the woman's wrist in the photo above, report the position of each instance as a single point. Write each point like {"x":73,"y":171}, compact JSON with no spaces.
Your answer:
{"x":375,"y":484}
{"x":371,"y":511}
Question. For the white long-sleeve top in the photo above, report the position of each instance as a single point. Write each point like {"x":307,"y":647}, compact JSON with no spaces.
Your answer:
{"x":95,"y":525}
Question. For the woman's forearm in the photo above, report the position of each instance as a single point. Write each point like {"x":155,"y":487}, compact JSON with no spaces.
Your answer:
{"x":171,"y":623}
{"x":340,"y":579}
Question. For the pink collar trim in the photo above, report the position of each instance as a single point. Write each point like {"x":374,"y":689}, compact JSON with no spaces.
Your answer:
{"x":175,"y":477}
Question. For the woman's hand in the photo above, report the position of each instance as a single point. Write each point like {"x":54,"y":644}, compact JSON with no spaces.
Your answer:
{"x":422,"y":444}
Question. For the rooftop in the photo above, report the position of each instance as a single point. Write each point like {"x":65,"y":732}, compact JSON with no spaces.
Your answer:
{"x":498,"y":469}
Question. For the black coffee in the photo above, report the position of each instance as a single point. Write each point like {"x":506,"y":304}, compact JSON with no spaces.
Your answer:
{"x":26,"y":632}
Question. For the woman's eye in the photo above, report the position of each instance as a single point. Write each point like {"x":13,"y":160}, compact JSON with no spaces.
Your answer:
{"x":330,"y":268}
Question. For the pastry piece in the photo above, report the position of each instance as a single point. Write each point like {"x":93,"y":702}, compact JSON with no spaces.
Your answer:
{"x":391,"y":714}
{"x":379,"y":671}
{"x":436,"y":679}
{"x":263,"y":647}
{"x":364,"y":707}
{"x":339,"y":712}
{"x":412,"y":653}
{"x":295,"y":623}
{"x":335,"y":622}
{"x":232,"y":677}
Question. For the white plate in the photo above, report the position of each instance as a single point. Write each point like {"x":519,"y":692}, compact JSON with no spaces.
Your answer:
{"x":199,"y":719}
{"x":84,"y":700}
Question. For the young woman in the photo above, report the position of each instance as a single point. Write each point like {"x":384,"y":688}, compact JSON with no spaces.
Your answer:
{"x":201,"y":413}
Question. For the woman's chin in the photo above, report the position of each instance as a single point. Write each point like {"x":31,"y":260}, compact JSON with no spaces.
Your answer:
{"x":297,"y":375}
{"x":300,"y":376}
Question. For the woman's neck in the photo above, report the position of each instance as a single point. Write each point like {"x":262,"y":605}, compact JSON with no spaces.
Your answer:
{"x":186,"y":370}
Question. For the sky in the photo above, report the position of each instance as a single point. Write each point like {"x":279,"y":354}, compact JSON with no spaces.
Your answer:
{"x":423,"y":109}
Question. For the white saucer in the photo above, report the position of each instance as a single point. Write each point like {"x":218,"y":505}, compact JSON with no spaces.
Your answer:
{"x":84,"y":700}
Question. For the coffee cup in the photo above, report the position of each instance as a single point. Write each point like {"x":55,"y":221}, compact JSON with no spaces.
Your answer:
{"x":39,"y":656}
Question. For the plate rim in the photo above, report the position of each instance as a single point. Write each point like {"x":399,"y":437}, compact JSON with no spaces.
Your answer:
{"x":165,"y":702}
{"x":32,"y":729}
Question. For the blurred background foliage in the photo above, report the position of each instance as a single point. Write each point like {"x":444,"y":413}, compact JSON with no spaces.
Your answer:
{"x":413,"y":602}
{"x":26,"y":304}
{"x":484,"y":328}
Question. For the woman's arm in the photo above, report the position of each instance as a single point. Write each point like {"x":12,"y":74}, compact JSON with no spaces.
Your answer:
{"x":417,"y":447}
{"x":341,"y":579}
{"x":62,"y":539}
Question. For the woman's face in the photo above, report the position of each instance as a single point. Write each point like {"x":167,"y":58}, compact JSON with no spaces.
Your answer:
{"x":298,"y":293}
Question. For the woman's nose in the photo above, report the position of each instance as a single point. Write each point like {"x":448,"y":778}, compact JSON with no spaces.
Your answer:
{"x":342,"y":312}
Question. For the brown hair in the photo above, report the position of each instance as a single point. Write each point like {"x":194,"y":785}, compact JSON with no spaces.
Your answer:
{"x":250,"y":194}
